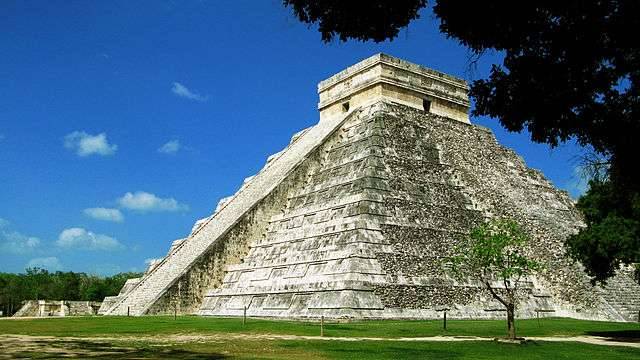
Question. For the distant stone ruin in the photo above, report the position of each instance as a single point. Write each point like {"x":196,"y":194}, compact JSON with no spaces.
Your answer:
{"x":354,"y":218}
{"x":60,"y":308}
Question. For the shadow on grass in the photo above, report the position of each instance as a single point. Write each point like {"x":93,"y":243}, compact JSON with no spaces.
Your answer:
{"x":376,"y":350}
{"x":618,"y":335}
{"x":365,"y":350}
{"x":104,"y":350}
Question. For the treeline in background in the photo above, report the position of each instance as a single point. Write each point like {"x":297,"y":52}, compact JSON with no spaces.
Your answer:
{"x":40,"y":284}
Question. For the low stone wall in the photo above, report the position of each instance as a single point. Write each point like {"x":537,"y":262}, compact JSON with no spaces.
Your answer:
{"x":45,"y":308}
{"x":29,"y":308}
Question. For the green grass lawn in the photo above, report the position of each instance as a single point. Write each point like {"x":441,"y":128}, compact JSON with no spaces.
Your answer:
{"x":454,"y":350}
{"x":467,"y":350}
{"x":155,"y":325}
{"x":88,"y":330}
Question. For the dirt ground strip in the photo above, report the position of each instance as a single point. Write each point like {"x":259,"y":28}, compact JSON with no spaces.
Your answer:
{"x":24,"y":346}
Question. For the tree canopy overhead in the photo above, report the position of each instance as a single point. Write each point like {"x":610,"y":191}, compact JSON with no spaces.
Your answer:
{"x":571,"y":70}
{"x":376,"y":20}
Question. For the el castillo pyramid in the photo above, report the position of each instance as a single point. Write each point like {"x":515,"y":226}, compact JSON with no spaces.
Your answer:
{"x":353,"y":218}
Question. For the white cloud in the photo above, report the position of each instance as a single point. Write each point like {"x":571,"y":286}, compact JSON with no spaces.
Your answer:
{"x":104,"y":214}
{"x":79,"y":238}
{"x":50,"y":263}
{"x":14,"y":242}
{"x":86,"y":144}
{"x":144,"y":201}
{"x":170,"y":147}
{"x":183,"y":91}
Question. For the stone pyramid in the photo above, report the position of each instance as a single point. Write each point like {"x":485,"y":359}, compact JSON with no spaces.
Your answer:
{"x":353,"y":218}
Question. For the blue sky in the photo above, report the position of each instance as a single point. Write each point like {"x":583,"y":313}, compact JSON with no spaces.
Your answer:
{"x":123,"y":122}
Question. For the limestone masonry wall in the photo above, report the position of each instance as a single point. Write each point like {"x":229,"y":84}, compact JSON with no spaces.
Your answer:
{"x":46,"y":308}
{"x":447,"y":177}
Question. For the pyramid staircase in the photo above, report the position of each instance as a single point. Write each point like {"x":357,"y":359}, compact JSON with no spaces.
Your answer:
{"x":155,"y":283}
{"x":622,"y":293}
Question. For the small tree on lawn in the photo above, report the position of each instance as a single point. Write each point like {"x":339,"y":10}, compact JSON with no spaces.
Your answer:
{"x":492,"y":253}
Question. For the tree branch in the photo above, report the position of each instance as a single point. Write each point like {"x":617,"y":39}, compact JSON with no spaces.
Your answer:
{"x":494,"y":294}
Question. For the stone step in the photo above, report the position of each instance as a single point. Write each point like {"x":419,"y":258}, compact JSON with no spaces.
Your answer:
{"x":622,"y":293}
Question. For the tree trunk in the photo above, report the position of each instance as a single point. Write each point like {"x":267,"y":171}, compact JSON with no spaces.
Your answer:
{"x":511,"y":324}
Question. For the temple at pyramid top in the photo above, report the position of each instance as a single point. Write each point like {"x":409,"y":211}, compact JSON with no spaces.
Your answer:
{"x":383,"y":76}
